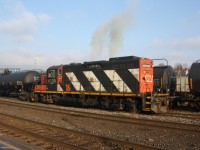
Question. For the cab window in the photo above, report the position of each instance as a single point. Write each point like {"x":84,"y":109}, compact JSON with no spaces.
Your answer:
{"x":59,"y":72}
{"x":51,"y":74}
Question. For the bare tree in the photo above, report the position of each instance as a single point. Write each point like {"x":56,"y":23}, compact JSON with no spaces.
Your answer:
{"x":181,"y":69}
{"x":7,"y":71}
{"x":161,"y":64}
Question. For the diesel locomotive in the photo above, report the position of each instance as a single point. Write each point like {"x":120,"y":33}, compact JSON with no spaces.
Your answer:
{"x":121,"y":83}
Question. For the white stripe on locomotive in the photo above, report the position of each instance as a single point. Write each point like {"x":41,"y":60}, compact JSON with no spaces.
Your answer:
{"x":94,"y":81}
{"x":76,"y":83}
{"x":135,"y":73}
{"x":59,"y":88}
{"x":117,"y":81}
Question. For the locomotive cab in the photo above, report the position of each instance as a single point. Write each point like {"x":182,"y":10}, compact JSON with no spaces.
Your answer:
{"x":50,"y":89}
{"x":54,"y":78}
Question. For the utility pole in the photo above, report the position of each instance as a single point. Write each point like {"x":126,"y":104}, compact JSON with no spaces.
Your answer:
{"x":36,"y":62}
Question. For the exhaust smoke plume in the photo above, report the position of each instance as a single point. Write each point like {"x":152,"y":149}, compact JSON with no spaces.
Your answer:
{"x":108,"y":37}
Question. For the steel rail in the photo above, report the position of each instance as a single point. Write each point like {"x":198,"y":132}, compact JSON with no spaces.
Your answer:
{"x":120,"y":119}
{"x":56,"y":140}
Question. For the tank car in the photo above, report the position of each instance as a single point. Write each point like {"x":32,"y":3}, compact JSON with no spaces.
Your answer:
{"x":194,"y":78}
{"x":164,"y":79}
{"x":122,"y":83}
{"x":19,"y":84}
{"x":194,"y":84}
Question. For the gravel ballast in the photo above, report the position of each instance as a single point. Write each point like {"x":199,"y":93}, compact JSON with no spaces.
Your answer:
{"x":156,"y":137}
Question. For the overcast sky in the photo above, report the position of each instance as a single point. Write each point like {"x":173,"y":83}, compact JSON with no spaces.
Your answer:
{"x":54,"y":32}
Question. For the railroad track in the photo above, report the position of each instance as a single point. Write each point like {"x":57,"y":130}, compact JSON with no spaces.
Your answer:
{"x":193,"y":116}
{"x":51,"y":137}
{"x":119,"y":119}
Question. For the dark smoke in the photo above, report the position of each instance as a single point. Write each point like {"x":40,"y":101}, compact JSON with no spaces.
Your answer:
{"x":109,"y":36}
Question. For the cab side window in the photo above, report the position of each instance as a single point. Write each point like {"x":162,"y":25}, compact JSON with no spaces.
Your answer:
{"x":59,"y":72}
{"x":51,"y":74}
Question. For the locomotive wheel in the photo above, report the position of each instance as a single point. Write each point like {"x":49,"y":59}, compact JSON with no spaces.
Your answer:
{"x":31,"y":97}
{"x":173,"y":104}
{"x":137,"y":106}
{"x":27,"y":98}
{"x":117,"y":104}
{"x":55,"y":99}
{"x":133,"y":105}
{"x":104,"y":103}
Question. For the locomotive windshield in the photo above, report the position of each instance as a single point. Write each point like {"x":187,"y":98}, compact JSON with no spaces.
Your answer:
{"x":51,"y":74}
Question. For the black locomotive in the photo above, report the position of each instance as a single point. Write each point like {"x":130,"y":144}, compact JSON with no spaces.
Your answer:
{"x":122,"y":83}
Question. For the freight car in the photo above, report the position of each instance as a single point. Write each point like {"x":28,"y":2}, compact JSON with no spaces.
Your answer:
{"x":190,"y":97}
{"x":194,"y":79}
{"x":19,"y":84}
{"x":182,"y":85}
{"x":184,"y":91}
{"x":164,"y":86}
{"x":122,"y":83}
{"x":164,"y":79}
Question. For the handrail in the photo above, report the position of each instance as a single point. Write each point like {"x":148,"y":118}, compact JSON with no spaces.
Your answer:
{"x":162,"y":59}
